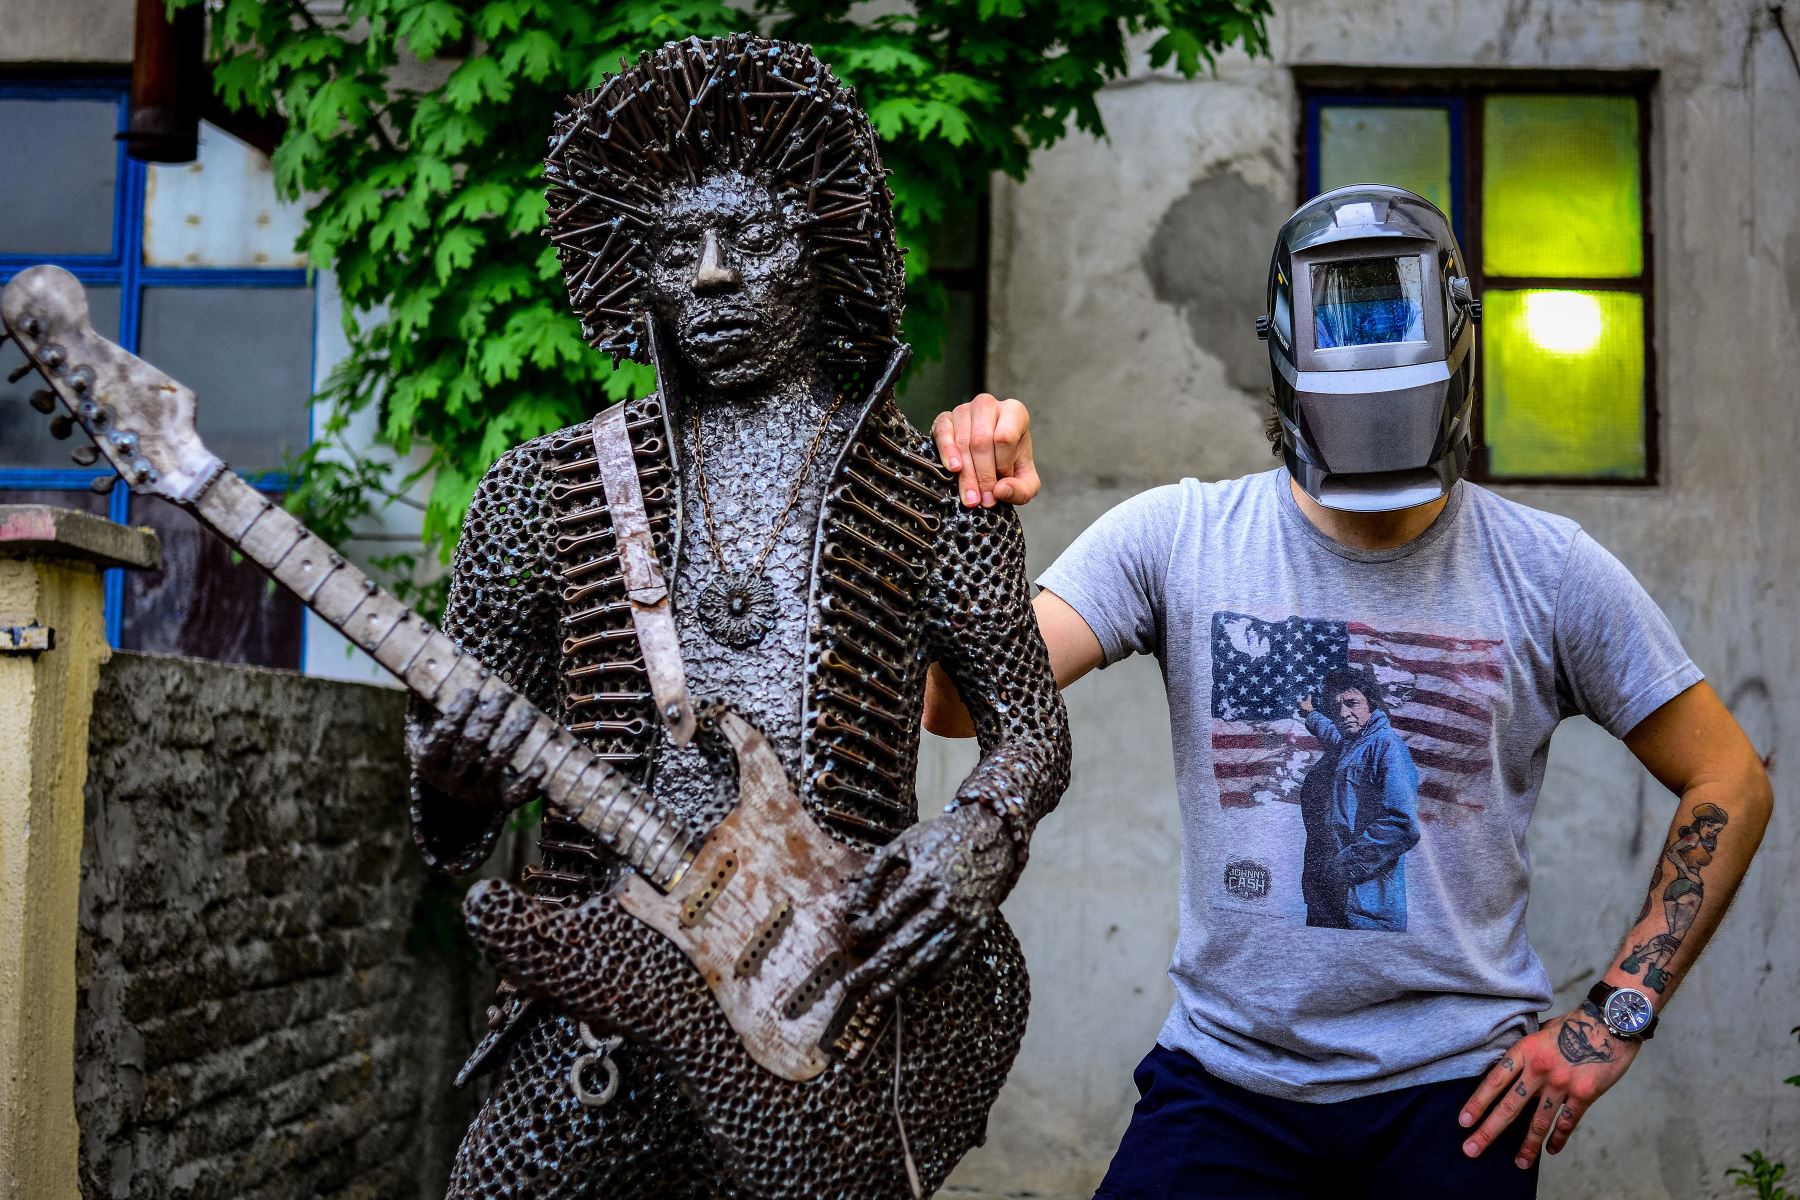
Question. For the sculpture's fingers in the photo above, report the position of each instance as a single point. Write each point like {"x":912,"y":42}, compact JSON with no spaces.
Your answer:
{"x":925,"y":958}
{"x":875,"y":972}
{"x":536,"y":946}
{"x":868,"y":886}
{"x":917,"y":889}
{"x":441,"y":735}
{"x":468,"y":756}
{"x":513,"y":730}
{"x":519,"y":787}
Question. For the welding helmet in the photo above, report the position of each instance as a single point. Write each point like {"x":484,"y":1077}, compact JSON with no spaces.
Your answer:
{"x":1371,"y":349}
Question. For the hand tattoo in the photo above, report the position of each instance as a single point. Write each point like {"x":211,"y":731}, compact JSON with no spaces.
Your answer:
{"x":1576,"y":1040}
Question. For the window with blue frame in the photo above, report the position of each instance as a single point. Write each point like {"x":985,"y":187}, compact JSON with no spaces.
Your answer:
{"x":1546,"y":182}
{"x":191,"y":266}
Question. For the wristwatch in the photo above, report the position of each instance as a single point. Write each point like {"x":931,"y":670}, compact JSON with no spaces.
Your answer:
{"x":1627,"y":1012}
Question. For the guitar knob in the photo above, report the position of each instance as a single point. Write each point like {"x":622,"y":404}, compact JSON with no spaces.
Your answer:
{"x":61,"y":426}
{"x":85,"y":456}
{"x":81,"y":379}
{"x":44,"y":400}
{"x":52,"y":356}
{"x":31,"y":326}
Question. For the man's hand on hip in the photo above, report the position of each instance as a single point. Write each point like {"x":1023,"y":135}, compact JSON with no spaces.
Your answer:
{"x":1557,"y":1072}
{"x":988,"y":443}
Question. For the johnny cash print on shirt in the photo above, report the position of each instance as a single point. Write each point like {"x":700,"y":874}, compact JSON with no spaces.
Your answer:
{"x":1343,"y":745}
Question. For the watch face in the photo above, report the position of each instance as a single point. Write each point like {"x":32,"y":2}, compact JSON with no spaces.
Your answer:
{"x":1628,"y":1012}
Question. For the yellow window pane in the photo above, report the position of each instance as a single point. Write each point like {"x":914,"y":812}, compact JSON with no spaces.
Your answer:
{"x":1405,"y":146}
{"x":1563,"y":383}
{"x":1559,"y":187}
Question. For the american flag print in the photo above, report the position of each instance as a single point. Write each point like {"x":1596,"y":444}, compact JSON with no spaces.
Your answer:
{"x":1440,"y":691}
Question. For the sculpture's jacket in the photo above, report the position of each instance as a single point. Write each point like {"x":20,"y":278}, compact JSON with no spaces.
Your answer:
{"x":903,"y":575}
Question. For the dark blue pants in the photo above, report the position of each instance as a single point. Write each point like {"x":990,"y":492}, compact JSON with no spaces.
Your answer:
{"x":1195,"y":1137}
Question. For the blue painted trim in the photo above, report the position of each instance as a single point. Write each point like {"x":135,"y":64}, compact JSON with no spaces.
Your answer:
{"x":77,"y":479}
{"x":1453,"y":107}
{"x":237,"y":277}
{"x":49,"y":479}
{"x":125,"y":269}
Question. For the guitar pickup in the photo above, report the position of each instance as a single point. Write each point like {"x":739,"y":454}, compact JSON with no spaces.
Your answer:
{"x":695,"y":906}
{"x":767,"y":935}
{"x":816,"y":984}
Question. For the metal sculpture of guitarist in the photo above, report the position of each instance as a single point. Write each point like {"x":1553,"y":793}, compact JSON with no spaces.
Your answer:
{"x":743,"y":967}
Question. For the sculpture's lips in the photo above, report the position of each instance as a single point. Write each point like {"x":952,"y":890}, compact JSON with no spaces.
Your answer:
{"x":723,"y":324}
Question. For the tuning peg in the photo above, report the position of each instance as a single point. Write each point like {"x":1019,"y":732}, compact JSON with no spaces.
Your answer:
{"x":19,"y":372}
{"x":44,"y":400}
{"x":103,"y":483}
{"x":61,"y":426}
{"x":85,"y":456}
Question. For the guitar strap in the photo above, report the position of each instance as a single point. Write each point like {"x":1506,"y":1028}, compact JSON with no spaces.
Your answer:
{"x":652,"y":609}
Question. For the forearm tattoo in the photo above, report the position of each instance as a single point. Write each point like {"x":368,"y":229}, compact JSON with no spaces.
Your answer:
{"x":1582,"y":1038}
{"x":1687,"y":855}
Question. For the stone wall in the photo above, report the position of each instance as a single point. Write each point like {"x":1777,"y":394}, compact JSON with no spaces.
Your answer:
{"x":252,"y":1022}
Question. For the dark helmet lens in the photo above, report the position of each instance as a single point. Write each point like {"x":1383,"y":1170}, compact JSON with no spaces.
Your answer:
{"x":1367,"y":302}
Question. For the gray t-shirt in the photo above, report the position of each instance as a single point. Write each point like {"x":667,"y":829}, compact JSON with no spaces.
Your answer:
{"x":1354,"y":878}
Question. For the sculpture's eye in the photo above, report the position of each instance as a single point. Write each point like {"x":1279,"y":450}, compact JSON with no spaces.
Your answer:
{"x":758,"y":237}
{"x":681,"y":251}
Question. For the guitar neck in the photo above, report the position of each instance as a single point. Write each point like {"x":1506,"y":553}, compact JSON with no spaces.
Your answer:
{"x":625,"y":819}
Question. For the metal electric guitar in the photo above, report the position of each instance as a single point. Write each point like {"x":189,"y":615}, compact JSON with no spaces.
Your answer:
{"x":803,"y":1091}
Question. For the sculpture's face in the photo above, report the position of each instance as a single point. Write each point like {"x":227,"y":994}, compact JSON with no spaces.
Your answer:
{"x":731,"y":283}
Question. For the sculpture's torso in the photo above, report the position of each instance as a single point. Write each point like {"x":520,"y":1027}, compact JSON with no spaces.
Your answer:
{"x":765,"y":448}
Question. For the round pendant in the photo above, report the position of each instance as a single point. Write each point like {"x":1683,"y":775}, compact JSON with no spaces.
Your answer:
{"x":737,"y":610}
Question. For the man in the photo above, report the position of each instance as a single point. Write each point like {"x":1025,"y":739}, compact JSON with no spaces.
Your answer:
{"x":1301,"y":1060}
{"x":766,"y":531}
{"x":1358,"y":803}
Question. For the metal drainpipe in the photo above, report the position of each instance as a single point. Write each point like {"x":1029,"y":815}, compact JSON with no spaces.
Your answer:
{"x":169,"y":84}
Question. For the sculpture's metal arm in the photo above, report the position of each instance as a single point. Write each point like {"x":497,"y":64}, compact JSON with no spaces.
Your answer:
{"x":502,"y":608}
{"x":985,"y":635}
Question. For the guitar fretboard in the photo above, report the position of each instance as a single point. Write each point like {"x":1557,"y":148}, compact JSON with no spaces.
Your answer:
{"x":655,"y":841}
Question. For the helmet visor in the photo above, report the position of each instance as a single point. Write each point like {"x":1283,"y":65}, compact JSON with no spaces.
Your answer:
{"x":1368,"y":302}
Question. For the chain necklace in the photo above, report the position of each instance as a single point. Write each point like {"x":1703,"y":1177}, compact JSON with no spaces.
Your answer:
{"x":737,"y":608}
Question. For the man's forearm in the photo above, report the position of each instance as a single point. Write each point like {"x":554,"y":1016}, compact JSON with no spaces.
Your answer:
{"x":1705,"y":856}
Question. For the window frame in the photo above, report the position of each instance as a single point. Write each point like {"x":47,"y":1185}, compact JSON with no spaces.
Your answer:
{"x":125,"y":269}
{"x":1463,"y":94}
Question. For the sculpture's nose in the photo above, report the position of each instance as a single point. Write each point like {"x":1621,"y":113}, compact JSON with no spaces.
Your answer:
{"x":714,"y":274}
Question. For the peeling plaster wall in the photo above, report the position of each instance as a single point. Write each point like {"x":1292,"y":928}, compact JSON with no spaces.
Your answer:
{"x":1126,"y":274}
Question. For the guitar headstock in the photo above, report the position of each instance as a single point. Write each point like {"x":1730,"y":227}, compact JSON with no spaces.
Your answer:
{"x":140,"y":420}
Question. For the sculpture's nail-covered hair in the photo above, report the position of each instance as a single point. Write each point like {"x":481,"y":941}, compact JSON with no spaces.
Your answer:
{"x":769,"y":109}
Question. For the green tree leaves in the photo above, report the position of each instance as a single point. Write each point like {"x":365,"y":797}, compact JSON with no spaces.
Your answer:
{"x":417,"y":128}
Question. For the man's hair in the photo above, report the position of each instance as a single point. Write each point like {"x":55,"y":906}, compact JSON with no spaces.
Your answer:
{"x":1352,"y":679}
{"x":768,"y":109}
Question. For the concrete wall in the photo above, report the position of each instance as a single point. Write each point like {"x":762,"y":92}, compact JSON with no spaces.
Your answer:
{"x":1125,"y":276}
{"x":257,"y":1016}
{"x":66,"y":31}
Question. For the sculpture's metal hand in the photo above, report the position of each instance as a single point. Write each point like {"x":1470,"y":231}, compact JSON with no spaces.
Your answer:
{"x":926,"y":895}
{"x":463,"y":751}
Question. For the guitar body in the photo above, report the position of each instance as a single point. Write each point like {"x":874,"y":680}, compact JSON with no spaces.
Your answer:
{"x":731,"y":979}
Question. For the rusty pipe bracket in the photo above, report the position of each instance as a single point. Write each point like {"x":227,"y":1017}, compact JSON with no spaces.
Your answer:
{"x":27,"y":639}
